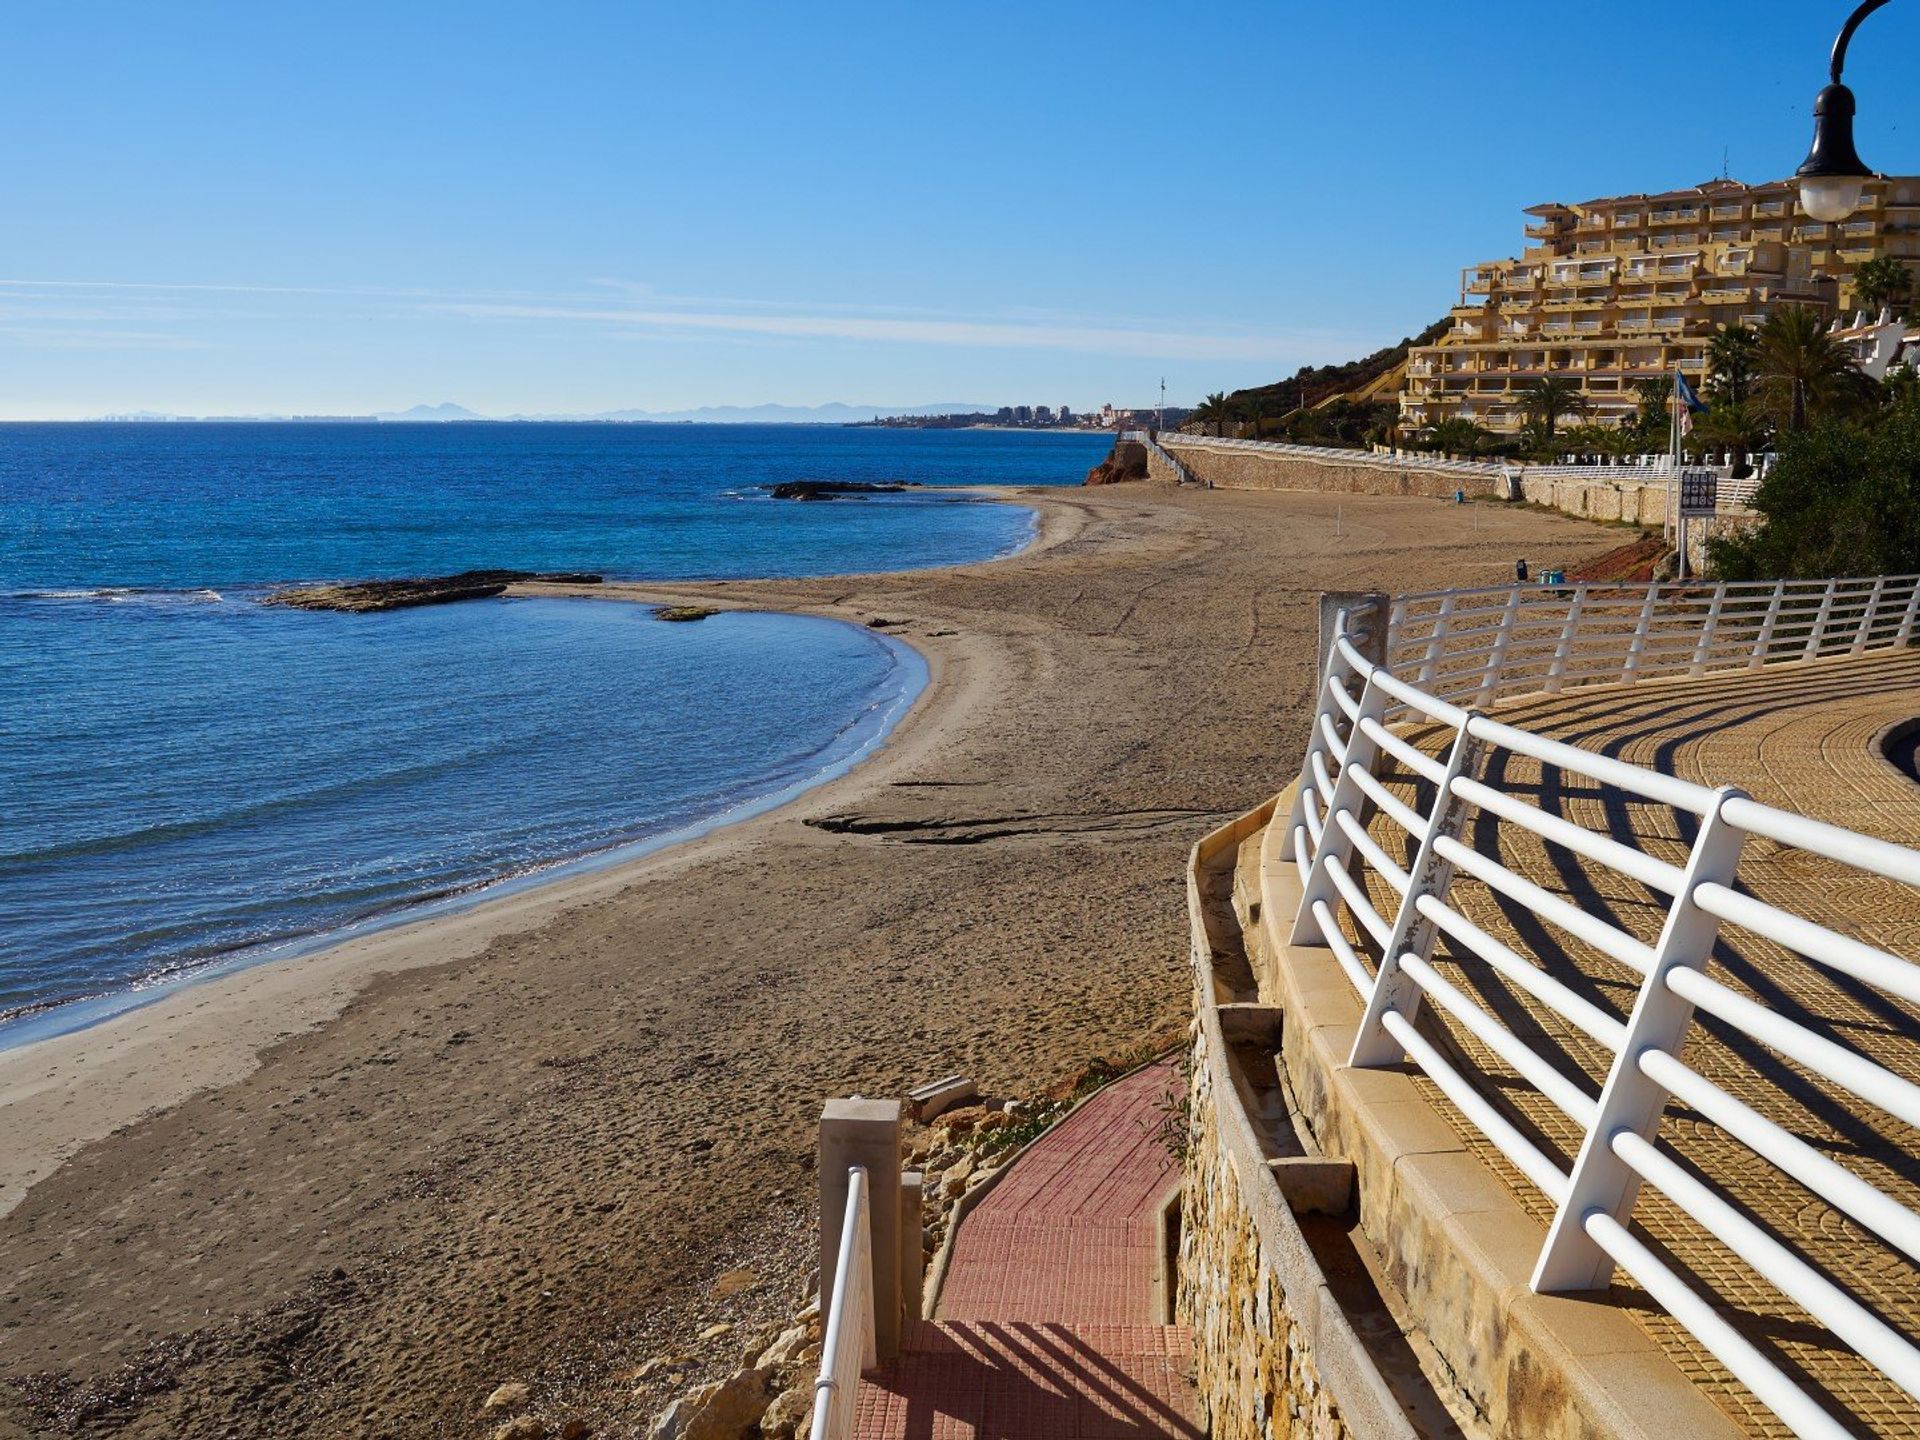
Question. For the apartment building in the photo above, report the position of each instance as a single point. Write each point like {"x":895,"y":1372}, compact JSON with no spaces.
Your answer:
{"x":1612,"y":292}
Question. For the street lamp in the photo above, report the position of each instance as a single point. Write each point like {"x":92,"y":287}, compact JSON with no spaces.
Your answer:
{"x":1833,"y":175}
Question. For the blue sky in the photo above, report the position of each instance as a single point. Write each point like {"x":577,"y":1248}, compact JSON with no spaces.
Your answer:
{"x":577,"y":207}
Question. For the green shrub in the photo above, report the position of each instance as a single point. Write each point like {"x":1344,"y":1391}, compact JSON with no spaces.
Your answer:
{"x":1840,"y":500}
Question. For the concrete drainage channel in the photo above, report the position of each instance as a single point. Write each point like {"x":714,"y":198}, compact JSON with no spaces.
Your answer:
{"x":1289,"y":1302}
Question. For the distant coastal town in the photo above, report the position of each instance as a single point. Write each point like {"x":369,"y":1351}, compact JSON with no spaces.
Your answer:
{"x":1039,"y":417}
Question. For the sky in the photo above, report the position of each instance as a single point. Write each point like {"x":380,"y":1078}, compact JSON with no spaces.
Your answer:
{"x":577,"y":207}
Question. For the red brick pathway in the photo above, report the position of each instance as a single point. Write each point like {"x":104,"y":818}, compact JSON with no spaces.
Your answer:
{"x":1046,"y":1328}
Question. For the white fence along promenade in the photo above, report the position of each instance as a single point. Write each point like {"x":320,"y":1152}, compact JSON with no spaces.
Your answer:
{"x":1446,"y":654}
{"x":1334,"y":455}
{"x":847,"y":1344}
{"x":1476,"y":646}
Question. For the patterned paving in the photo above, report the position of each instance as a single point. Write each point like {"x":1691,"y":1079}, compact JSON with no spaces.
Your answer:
{"x":1045,"y":1328}
{"x":1801,"y":737}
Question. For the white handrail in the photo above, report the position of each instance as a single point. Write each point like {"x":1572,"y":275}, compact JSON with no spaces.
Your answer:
{"x":848,"y":1344}
{"x":1477,"y":645}
{"x":1481,"y":469}
{"x":1358,"y":761}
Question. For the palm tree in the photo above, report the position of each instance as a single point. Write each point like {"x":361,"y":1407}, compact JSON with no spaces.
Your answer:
{"x":1883,"y":281}
{"x":1548,"y":399}
{"x":1215,"y":410}
{"x":1802,"y":366}
{"x":1733,"y":360}
{"x":1257,"y":408}
{"x":1456,"y":435}
{"x":1740,"y":427}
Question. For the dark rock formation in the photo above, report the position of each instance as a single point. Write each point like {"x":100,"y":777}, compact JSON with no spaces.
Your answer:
{"x":1127,"y":461}
{"x":680,"y":614}
{"x":367,"y":596}
{"x":828,"y":489}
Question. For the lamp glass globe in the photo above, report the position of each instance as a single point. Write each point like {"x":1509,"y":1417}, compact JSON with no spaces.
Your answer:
{"x":1829,"y":198}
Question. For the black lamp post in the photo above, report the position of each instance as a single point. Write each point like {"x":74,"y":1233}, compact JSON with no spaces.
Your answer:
{"x":1834,"y":174}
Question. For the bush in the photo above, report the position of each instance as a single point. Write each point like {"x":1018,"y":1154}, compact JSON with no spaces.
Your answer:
{"x":1840,"y":500}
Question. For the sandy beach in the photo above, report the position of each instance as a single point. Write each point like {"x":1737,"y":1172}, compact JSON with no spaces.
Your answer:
{"x":349,"y":1194}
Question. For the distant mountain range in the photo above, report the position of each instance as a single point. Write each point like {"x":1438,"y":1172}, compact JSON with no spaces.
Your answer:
{"x":832,"y":414}
{"x":448,"y":411}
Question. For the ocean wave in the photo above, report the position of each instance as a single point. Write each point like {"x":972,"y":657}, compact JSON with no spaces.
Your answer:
{"x":122,"y":595}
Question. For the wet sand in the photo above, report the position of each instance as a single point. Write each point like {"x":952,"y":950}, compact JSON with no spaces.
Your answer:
{"x":350,"y":1193}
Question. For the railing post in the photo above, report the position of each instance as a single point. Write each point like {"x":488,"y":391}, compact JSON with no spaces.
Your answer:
{"x":864,"y":1134}
{"x":1703,"y":650}
{"x":1630,"y":1101}
{"x":1867,"y":619}
{"x":1334,"y":674}
{"x":1819,"y":631}
{"x":1413,"y":933}
{"x":1905,"y":636}
{"x":1335,"y":844}
{"x":1631,"y":669}
{"x":1564,"y":650}
{"x":1496,"y":662}
{"x":1436,"y":642}
{"x":1764,"y":642}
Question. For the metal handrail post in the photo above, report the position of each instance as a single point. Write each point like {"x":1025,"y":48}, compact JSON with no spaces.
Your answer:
{"x":1413,"y":933}
{"x":1630,"y":1101}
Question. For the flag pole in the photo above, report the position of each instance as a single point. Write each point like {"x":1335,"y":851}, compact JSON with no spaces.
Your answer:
{"x":1672,"y":513}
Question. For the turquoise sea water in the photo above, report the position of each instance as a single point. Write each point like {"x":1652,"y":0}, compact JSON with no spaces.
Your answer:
{"x":187,"y":776}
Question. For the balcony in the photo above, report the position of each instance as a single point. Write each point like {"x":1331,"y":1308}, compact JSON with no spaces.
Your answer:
{"x":1543,"y":230}
{"x":1679,"y":215}
{"x":1627,"y":222}
{"x":1769,"y":207}
{"x":1728,"y":212}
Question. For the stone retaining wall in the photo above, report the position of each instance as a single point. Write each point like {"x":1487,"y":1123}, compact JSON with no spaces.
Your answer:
{"x":1276,"y":470}
{"x":1628,"y":501}
{"x":1275,"y":1356}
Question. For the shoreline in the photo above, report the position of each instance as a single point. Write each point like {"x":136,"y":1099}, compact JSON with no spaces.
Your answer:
{"x":62,"y":1090}
{"x":526,"y":1143}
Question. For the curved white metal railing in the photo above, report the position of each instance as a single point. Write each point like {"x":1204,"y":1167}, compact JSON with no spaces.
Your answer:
{"x":1333,"y":455}
{"x":1353,"y":759}
{"x":1476,"y":646}
{"x":847,"y":1344}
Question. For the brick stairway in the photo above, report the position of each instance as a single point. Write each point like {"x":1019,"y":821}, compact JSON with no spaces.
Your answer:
{"x":1045,"y":1327}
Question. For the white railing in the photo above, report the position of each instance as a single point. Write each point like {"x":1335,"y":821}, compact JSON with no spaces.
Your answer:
{"x":847,"y":1344}
{"x":1334,"y":456}
{"x":1731,"y":494}
{"x":1475,"y":646}
{"x":1352,"y":765}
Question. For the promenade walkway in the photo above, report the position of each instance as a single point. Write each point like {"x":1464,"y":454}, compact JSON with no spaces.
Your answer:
{"x":1799,"y":736}
{"x":1046,"y":1327}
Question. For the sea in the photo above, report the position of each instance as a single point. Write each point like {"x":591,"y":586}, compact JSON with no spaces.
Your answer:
{"x":191,"y":781}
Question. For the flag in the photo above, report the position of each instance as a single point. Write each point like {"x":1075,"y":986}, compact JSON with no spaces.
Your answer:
{"x":1688,"y":403}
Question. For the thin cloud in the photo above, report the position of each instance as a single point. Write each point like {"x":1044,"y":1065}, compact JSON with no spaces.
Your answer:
{"x":996,"y":335}
{"x":645,"y":311}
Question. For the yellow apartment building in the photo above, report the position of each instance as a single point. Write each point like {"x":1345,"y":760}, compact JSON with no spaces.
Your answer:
{"x":1612,"y":292}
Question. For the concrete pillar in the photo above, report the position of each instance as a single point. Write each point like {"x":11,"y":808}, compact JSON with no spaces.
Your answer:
{"x":913,"y":1258}
{"x":1367,"y":609}
{"x":866,"y":1133}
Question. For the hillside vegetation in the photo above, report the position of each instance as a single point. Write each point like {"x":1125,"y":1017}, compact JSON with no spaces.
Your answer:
{"x":1302,"y":406}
